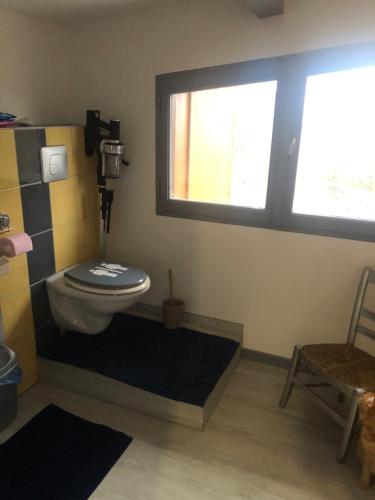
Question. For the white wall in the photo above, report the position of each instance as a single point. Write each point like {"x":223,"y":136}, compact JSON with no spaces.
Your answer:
{"x":286,"y":288}
{"x":34,"y":80}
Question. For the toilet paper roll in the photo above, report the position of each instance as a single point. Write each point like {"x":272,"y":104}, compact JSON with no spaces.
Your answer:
{"x":15,"y":245}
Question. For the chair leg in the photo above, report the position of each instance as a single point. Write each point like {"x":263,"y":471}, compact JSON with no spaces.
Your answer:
{"x":341,"y":397}
{"x":350,"y":425}
{"x":289,"y":380}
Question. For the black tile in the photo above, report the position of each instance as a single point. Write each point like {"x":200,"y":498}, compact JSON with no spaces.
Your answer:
{"x":28,"y":144}
{"x":47,"y":338}
{"x":41,"y":260}
{"x":36,"y":208}
{"x":40,"y":303}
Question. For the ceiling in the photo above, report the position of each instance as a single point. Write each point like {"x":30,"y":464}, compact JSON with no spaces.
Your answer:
{"x":80,"y":10}
{"x":70,"y":11}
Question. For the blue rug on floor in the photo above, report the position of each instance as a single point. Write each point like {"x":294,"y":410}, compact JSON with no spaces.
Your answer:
{"x":58,"y":456}
{"x":183,"y":365}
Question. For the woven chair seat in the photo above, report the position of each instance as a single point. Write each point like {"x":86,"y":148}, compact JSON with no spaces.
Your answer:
{"x":345,"y":363}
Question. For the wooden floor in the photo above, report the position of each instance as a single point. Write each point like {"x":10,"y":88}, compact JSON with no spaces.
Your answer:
{"x":250,"y":449}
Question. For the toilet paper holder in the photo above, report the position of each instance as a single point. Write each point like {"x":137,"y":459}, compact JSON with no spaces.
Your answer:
{"x":4,"y":223}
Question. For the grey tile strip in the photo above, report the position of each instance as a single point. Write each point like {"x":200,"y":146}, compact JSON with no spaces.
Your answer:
{"x":49,"y":322}
{"x":37,"y":234}
{"x":31,"y":184}
{"x":37,"y":282}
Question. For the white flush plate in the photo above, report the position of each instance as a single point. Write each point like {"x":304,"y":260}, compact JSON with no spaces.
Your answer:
{"x":54,"y":163}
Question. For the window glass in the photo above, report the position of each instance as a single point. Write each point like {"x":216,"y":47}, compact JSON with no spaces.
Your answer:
{"x":336,"y":161}
{"x":220,"y":144}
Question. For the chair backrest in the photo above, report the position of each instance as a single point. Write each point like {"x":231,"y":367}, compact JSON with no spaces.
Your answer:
{"x":363,"y":317}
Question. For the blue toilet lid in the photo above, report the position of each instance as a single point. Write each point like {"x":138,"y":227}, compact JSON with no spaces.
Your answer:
{"x":106,"y":275}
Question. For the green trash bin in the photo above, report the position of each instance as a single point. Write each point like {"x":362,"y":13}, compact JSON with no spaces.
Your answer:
{"x":10,"y":376}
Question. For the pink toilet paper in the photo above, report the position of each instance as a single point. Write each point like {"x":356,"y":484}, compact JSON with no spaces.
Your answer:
{"x":15,"y":245}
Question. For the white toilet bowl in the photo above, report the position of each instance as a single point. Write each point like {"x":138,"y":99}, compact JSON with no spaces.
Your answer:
{"x":83,"y":301}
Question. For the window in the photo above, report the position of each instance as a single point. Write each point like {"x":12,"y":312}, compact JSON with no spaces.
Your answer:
{"x":284,"y":143}
{"x":221,"y":144}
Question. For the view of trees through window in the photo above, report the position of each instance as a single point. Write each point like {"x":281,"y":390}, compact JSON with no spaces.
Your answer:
{"x":336,"y":163}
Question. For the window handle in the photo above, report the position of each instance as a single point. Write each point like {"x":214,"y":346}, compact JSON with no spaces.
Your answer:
{"x":292,"y":146}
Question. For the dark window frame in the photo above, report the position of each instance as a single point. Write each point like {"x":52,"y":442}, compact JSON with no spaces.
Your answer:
{"x":291,"y":72}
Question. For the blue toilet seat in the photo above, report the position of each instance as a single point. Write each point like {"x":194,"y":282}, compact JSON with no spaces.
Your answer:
{"x":102,"y":275}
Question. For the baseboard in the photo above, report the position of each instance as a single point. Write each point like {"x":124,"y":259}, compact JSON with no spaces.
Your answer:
{"x":265,"y":358}
{"x":220,"y":327}
{"x":227,"y":329}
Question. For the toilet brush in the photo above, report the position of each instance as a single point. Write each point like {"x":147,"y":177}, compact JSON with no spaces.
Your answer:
{"x":170,"y":277}
{"x":173,"y":309}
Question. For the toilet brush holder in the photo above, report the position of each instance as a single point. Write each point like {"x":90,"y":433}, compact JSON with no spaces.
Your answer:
{"x":173,"y":309}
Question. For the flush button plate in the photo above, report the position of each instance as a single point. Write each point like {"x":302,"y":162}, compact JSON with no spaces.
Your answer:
{"x":54,"y":162}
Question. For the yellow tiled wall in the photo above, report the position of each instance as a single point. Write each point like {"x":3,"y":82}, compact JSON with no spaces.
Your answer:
{"x":15,"y":299}
{"x":74,"y":201}
{"x":74,"y":210}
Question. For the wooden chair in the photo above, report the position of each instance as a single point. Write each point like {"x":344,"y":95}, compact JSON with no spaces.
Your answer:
{"x":343,"y":366}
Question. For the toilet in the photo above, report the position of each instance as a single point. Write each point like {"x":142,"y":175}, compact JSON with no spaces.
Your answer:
{"x":85,"y":297}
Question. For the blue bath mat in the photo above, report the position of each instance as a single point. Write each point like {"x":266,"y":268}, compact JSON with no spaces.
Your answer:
{"x":58,"y":456}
